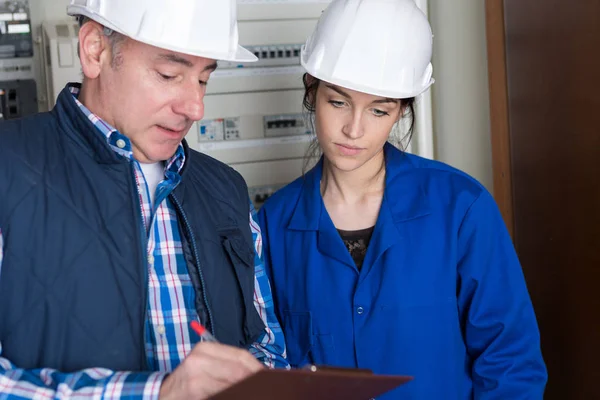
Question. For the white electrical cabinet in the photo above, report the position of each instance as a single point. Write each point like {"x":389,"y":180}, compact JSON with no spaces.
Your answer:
{"x":253,"y":112}
{"x":60,"y":63}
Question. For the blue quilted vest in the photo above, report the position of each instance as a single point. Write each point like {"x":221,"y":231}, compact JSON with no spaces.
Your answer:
{"x":73,"y":282}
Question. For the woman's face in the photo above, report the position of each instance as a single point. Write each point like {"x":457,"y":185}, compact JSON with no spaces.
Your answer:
{"x":352,"y":127}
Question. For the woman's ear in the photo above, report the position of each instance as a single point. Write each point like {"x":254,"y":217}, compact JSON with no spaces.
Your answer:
{"x":308,"y":80}
{"x":311,"y":85}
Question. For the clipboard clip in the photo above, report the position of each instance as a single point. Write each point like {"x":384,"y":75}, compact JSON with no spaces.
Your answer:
{"x":325,"y":368}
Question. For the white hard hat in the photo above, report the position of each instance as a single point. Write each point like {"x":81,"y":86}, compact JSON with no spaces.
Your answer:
{"x":205,"y":28}
{"x":379,"y":47}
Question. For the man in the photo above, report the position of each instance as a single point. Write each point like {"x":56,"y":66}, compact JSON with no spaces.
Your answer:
{"x":114,"y":235}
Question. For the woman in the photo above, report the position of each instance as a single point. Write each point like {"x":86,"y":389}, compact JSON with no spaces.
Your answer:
{"x":384,"y":260}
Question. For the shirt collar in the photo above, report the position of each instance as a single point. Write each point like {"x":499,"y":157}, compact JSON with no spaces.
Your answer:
{"x":120,"y":143}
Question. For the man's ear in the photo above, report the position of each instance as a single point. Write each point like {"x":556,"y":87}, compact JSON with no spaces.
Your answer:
{"x":94,"y":49}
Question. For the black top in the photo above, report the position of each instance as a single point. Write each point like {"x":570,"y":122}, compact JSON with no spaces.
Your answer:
{"x":357,"y":242}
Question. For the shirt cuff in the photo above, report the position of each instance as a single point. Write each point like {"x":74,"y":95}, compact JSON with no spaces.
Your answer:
{"x":134,"y":386}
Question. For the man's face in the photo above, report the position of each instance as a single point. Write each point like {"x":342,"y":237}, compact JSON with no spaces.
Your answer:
{"x":152,"y":96}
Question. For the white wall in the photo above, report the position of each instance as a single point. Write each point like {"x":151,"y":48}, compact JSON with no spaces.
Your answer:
{"x":460,"y":94}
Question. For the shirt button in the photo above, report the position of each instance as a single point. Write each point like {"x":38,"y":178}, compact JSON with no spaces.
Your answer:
{"x":360,"y":310}
{"x":161,"y":329}
{"x":150,"y":259}
{"x":121,"y":143}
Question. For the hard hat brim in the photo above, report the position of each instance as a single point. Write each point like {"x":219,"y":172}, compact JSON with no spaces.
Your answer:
{"x":241,"y":54}
{"x":391,"y":94}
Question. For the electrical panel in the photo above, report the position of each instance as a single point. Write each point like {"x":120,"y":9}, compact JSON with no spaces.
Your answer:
{"x":254,"y":119}
{"x":15,"y":29}
{"x":17,"y":99}
{"x":18,"y":96}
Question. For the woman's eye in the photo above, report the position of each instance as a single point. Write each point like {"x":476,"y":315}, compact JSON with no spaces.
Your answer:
{"x":379,"y":113}
{"x":337,"y":104}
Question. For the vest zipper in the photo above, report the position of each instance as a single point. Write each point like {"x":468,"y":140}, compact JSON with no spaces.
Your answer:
{"x":195,"y":250}
{"x":144,"y":249}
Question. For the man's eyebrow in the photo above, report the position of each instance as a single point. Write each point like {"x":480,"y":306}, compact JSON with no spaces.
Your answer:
{"x":174,"y":58}
{"x":210,"y":67}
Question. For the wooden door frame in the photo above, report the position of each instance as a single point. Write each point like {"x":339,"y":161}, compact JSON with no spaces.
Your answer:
{"x":499,"y":117}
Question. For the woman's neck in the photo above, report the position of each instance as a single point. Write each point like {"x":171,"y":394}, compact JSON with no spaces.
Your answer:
{"x":352,"y":187}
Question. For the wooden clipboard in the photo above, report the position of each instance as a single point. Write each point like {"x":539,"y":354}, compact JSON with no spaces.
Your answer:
{"x":312,"y":383}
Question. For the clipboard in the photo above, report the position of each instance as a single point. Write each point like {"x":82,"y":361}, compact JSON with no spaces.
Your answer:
{"x":312,"y":383}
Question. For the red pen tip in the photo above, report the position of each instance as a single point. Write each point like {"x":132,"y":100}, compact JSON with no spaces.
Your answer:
{"x":199,"y":329}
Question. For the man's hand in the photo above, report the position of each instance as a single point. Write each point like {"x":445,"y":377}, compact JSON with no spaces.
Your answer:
{"x":207,"y":370}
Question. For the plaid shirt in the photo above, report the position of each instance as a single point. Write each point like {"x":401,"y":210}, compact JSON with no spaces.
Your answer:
{"x":170,"y":302}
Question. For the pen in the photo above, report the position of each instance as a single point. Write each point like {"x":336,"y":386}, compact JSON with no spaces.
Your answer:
{"x":202,"y":332}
